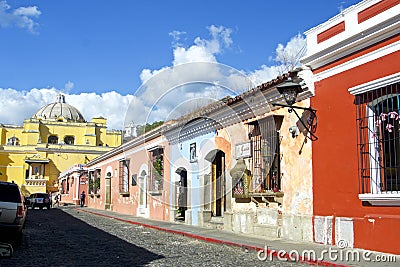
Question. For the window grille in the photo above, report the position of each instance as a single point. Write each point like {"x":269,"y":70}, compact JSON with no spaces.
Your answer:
{"x":67,"y":189}
{"x":91,"y":180}
{"x":94,"y":181}
{"x":379,"y":140}
{"x":156,"y":170}
{"x":124,"y":176}
{"x":96,"y":185}
{"x":264,"y":139}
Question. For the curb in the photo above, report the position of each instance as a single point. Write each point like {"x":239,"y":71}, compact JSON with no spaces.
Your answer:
{"x":274,"y":253}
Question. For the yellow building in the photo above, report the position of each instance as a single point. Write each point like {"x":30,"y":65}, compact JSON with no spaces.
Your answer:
{"x":54,"y":138}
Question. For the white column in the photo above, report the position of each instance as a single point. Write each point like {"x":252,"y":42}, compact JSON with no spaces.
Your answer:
{"x":30,"y":171}
{"x":77,"y":183}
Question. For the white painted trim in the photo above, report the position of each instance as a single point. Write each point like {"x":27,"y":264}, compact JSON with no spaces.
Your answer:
{"x":382,"y":199}
{"x":6,"y":166}
{"x":356,"y":36}
{"x":391,"y":48}
{"x":375,"y":84}
{"x":109,"y":169}
{"x":334,"y":20}
{"x":77,"y":184}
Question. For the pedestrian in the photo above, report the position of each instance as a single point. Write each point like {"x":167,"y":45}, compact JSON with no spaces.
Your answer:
{"x":57,"y":200}
{"x":83,"y":198}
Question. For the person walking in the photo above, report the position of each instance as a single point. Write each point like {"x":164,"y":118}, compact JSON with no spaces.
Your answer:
{"x":82,"y":202}
{"x":57,"y":200}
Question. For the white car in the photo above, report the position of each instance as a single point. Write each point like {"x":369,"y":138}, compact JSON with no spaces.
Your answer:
{"x":12,"y":208}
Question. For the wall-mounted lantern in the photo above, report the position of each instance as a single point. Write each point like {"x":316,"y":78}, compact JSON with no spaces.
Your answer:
{"x":289,"y":90}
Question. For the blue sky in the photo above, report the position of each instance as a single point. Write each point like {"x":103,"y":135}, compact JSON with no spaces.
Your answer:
{"x":103,"y":49}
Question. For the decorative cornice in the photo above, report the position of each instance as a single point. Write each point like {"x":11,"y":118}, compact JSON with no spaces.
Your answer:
{"x":76,"y":151}
{"x":354,"y":43}
{"x":376,"y":84}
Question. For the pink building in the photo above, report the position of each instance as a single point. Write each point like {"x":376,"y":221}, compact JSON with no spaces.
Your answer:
{"x":133,"y":178}
{"x":72,"y":182}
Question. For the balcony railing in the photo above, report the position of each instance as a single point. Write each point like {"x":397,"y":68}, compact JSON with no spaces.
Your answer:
{"x":35,"y":182}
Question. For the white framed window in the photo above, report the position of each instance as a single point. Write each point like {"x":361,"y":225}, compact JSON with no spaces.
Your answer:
{"x":124,"y":176}
{"x":378,"y":137}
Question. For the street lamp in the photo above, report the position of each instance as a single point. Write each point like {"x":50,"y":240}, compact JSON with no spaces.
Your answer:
{"x":290,"y":90}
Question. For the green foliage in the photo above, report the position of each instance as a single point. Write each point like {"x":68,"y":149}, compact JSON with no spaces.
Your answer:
{"x":90,"y":185}
{"x":97,"y":184}
{"x":158,"y":165}
{"x":148,"y":127}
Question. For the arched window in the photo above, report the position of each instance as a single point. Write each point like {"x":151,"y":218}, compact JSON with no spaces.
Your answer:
{"x":53,"y":139}
{"x":69,"y":140}
{"x":124,"y":176}
{"x":379,"y":140}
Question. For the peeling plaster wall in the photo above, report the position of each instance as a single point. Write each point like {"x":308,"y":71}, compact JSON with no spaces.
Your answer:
{"x":293,"y":219}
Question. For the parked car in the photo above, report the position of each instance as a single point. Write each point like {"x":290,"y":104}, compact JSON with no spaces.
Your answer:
{"x":12,"y":209}
{"x":40,"y":200}
{"x":27,"y":200}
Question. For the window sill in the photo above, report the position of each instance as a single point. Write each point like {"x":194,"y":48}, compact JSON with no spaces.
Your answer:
{"x":381,"y":199}
{"x":262,"y":197}
{"x":124,"y":194}
{"x":267,"y":194}
{"x":155,"y":193}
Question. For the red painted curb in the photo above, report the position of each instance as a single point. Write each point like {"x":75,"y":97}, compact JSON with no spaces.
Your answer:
{"x":219,"y":241}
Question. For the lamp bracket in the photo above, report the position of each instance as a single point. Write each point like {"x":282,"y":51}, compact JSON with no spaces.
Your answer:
{"x":309,"y":128}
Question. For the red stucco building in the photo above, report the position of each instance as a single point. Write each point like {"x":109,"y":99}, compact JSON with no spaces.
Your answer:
{"x":355,"y":60}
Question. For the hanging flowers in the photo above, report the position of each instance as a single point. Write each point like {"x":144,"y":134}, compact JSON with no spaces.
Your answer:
{"x":393,"y":115}
{"x":390,"y":117}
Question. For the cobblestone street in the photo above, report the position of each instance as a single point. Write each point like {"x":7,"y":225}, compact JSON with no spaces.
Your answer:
{"x":69,"y":237}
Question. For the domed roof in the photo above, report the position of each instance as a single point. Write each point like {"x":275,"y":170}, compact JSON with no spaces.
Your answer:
{"x":59,"y":111}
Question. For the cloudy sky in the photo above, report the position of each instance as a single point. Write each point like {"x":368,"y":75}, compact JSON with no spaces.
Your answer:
{"x":103,"y":55}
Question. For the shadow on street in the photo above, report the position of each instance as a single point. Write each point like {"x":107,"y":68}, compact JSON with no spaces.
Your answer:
{"x":55,"y":238}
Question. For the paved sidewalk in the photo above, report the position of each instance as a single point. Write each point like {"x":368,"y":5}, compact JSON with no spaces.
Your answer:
{"x":312,"y":253}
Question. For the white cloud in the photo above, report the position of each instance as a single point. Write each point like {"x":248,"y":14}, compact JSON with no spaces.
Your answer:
{"x":31,"y":11}
{"x":195,"y":74}
{"x":196,"y":78}
{"x":203,"y":50}
{"x":22,"y":17}
{"x":68,"y":86}
{"x":17,"y":106}
{"x":287,"y":58}
{"x":176,"y":38}
{"x":292,"y":52}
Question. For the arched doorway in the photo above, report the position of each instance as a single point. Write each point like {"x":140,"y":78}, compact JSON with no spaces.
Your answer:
{"x":181,"y":194}
{"x":217,"y":182}
{"x":142,"y":193}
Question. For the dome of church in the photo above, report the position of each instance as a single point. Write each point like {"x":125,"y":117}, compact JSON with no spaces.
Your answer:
{"x":59,"y":111}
